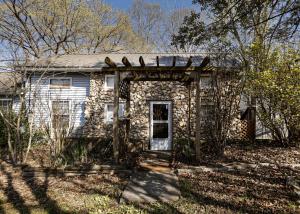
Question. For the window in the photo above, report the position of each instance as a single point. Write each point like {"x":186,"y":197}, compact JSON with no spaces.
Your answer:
{"x":60,"y":114}
{"x":109,"y":112}
{"x":206,"y":114}
{"x":206,"y":82}
{"x":60,"y":83}
{"x":5,"y":103}
{"x":109,"y":81}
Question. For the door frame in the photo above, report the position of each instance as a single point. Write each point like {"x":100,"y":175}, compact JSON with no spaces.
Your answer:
{"x":170,"y":121}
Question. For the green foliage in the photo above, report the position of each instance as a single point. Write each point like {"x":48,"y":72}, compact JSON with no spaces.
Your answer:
{"x":277,"y":90}
{"x":239,"y":22}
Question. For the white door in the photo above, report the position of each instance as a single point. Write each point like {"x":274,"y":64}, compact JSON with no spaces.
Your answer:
{"x":160,"y":125}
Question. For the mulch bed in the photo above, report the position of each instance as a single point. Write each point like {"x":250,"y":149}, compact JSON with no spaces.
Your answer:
{"x":259,"y":189}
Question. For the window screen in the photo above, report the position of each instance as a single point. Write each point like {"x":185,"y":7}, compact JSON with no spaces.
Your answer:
{"x":60,"y":114}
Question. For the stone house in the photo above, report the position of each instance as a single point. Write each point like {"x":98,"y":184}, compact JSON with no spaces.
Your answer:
{"x":153,"y":106}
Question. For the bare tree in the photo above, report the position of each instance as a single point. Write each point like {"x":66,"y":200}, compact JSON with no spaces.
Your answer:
{"x":43,"y":28}
{"x":155,"y":25}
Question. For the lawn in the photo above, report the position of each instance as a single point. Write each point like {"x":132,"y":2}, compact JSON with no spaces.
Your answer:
{"x":259,"y":190}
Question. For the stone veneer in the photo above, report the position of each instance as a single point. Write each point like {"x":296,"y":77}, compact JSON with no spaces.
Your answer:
{"x":141,"y":93}
{"x":95,"y":126}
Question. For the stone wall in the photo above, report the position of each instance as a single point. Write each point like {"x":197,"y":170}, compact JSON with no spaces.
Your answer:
{"x":145,"y":91}
{"x":95,"y":126}
{"x":141,"y":93}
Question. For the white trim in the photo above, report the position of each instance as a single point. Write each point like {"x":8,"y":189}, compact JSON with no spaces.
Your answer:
{"x":62,"y":88}
{"x":106,"y":87}
{"x":105,"y":112}
{"x":6,"y":99}
{"x":169,"y":121}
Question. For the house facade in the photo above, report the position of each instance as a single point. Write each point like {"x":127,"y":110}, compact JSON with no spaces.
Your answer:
{"x":78,"y":91}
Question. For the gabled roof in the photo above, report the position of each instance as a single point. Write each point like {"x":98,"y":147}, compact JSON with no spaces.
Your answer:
{"x":98,"y":60}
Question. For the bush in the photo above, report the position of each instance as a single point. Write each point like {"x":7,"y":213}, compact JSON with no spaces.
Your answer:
{"x":184,"y":150}
{"x":3,"y":136}
{"x":83,"y":150}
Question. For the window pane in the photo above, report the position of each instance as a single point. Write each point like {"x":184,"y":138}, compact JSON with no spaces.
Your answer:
{"x":60,"y":83}
{"x":5,"y":104}
{"x":60,"y":107}
{"x":110,"y":108}
{"x":206,"y":112}
{"x":121,"y":110}
{"x":60,"y":121}
{"x":110,"y":81}
{"x":160,"y":112}
{"x":160,"y":130}
{"x":205,"y":82}
{"x":110,"y":111}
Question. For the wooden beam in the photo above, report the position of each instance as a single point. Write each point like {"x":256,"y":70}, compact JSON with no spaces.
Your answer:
{"x":126,"y":62}
{"x":141,"y":60}
{"x":148,"y":69}
{"x":116,"y":117}
{"x":205,"y":62}
{"x":174,"y":61}
{"x":157,"y":61}
{"x":110,"y":63}
{"x":189,"y":62}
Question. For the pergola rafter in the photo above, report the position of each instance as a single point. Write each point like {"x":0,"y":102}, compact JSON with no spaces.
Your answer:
{"x":128,"y":72}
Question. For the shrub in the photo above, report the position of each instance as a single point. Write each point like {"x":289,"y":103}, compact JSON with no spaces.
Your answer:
{"x":184,"y":149}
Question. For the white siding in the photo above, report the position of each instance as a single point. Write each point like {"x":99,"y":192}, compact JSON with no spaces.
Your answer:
{"x":41,"y":97}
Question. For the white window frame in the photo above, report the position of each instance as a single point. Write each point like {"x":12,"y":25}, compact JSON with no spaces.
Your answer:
{"x":106,"y":87}
{"x":6,"y":99}
{"x":156,"y":142}
{"x":106,"y":120}
{"x":60,"y":88}
{"x":52,"y":114}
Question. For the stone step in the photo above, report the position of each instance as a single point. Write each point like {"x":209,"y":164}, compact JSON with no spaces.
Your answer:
{"x":164,"y":155}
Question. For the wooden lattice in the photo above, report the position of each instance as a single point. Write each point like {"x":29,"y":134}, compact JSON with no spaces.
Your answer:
{"x":124,"y":89}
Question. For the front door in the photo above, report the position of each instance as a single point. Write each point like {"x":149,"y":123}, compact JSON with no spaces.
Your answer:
{"x":160,"y":125}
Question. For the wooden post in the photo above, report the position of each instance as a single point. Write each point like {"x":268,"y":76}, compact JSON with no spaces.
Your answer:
{"x":127,"y":114}
{"x":189,"y":112}
{"x":141,"y":60}
{"x":198,"y":140}
{"x":116,"y":116}
{"x":198,"y":128}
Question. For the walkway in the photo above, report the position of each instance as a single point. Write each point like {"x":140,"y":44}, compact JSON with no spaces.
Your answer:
{"x":154,"y":181}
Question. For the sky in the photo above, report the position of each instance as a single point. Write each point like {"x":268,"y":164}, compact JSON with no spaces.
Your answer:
{"x":165,"y":4}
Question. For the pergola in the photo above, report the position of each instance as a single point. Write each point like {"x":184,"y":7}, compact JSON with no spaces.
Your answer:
{"x":127,"y":72}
